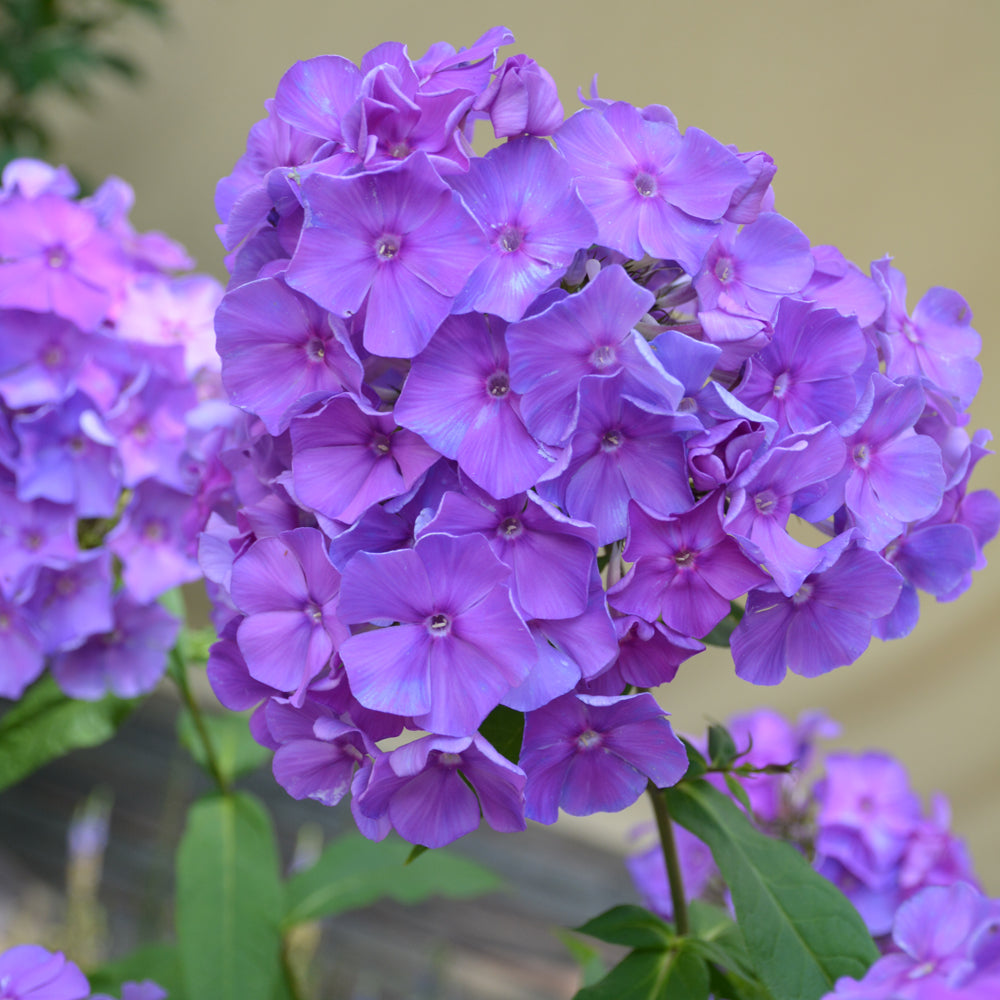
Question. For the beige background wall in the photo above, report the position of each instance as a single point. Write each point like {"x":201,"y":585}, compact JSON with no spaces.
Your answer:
{"x":883,"y":119}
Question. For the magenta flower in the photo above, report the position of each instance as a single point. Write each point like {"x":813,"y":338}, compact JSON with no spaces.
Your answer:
{"x":589,"y":754}
{"x":399,"y":242}
{"x":521,"y":98}
{"x":458,"y":646}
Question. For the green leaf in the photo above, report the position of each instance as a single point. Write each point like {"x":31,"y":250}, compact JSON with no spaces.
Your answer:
{"x":353,"y":872}
{"x":801,"y":933}
{"x":738,"y":792}
{"x":585,"y":955}
{"x":633,"y":926}
{"x":504,"y":728}
{"x":228,"y":901}
{"x":235,"y":749}
{"x":697,"y":765}
{"x":653,"y":975}
{"x":158,"y":962}
{"x":721,"y":746}
{"x":45,"y":724}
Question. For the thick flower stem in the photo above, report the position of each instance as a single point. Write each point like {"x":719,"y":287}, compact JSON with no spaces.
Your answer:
{"x":666,"y":830}
{"x":178,"y":672}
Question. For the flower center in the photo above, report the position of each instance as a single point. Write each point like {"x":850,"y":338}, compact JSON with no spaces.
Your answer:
{"x":314,"y":612}
{"x":56,"y":256}
{"x":380,"y":445}
{"x":498,"y":385}
{"x":387,"y":246}
{"x":803,"y":594}
{"x":588,"y":740}
{"x":510,"y":527}
{"x":724,"y":270}
{"x":781,"y":385}
{"x":684,"y":558}
{"x":439,"y":625}
{"x":450,"y":759}
{"x":862,"y":456}
{"x":511,"y":238}
{"x":603,"y":356}
{"x":612,"y":440}
{"x":152,"y":531}
{"x":399,"y":151}
{"x":315,"y":349}
{"x":765,"y":502}
{"x":52,"y":357}
{"x":645,"y":184}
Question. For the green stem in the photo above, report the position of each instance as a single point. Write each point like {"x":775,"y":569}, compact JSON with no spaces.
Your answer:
{"x":178,"y":672}
{"x":666,"y":830}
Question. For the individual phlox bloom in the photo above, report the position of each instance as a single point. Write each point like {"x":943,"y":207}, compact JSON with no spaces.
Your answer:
{"x":937,"y":341}
{"x":763,"y":497}
{"x":738,"y":336}
{"x":869,"y":798}
{"x":458,"y":646}
{"x":686,"y":570}
{"x":435,"y":789}
{"x":344,"y":459}
{"x":127,"y":661}
{"x":551,"y":556}
{"x":521,"y":98}
{"x":458,"y":397}
{"x":70,"y":604}
{"x":570,"y":651}
{"x":30,"y":972}
{"x":22,"y":658}
{"x":522,"y":196}
{"x":583,"y":338}
{"x":148,"y":422}
{"x":177,"y":311}
{"x":228,"y":674}
{"x":399,"y":242}
{"x":281,"y":352}
{"x":652,"y":190}
{"x":288,"y":589}
{"x":749,"y":268}
{"x":649,"y":654}
{"x":33,"y":534}
{"x":55,"y":258}
{"x":805,"y":375}
{"x":839,"y":284}
{"x":68,"y":457}
{"x":648,"y":870}
{"x":893,"y":475}
{"x":318,"y":753}
{"x":29,"y":178}
{"x":620,"y":452}
{"x":589,"y":754}
{"x":826,"y":623}
{"x":718,"y":455}
{"x":151,"y":543}
{"x":40,"y":357}
{"x":144,"y":990}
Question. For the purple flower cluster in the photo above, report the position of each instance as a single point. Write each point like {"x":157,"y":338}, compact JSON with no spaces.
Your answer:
{"x":109,"y":405}
{"x":947,"y":947}
{"x":860,"y":821}
{"x":30,"y":972}
{"x":522,"y":426}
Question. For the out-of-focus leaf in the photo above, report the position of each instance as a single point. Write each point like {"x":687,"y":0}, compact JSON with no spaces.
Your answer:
{"x":236,"y":751}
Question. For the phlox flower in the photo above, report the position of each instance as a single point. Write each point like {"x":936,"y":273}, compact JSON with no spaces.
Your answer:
{"x":522,"y":98}
{"x":458,"y":646}
{"x":435,"y":789}
{"x":30,"y":972}
{"x":652,"y":190}
{"x":588,"y":754}
{"x":399,"y":242}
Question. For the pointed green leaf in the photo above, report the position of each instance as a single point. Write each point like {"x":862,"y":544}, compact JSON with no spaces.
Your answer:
{"x":504,"y":728}
{"x":46,"y":724}
{"x":585,"y":955}
{"x":801,"y":932}
{"x":652,"y":975}
{"x":228,"y":901}
{"x":353,"y":872}
{"x":738,"y":792}
{"x":633,"y":926}
{"x":721,"y":746}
